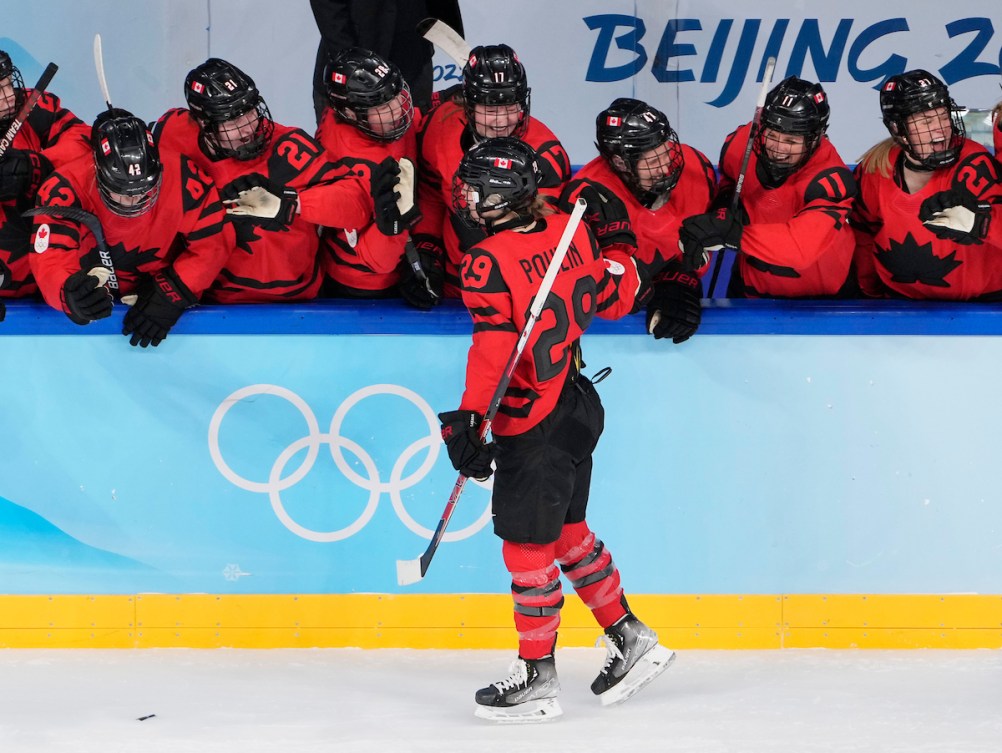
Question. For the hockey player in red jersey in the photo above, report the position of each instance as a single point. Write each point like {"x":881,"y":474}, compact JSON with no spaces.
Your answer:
{"x":544,"y":432}
{"x":163,"y":226}
{"x":369,"y":118}
{"x":655,"y":183}
{"x":495,"y":103}
{"x":276,"y":180}
{"x":792,"y":234}
{"x":928,"y":219}
{"x":50,"y":137}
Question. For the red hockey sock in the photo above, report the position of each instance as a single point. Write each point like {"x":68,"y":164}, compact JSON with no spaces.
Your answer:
{"x":535,"y":588}
{"x":590,"y":569}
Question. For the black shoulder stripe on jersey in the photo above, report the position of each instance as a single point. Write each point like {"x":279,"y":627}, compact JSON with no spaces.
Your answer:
{"x":834,"y":184}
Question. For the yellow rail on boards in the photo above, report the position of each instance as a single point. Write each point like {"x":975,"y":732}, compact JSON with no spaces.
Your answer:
{"x":485,"y":621}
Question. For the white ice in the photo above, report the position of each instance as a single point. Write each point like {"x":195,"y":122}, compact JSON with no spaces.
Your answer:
{"x":300,"y":701}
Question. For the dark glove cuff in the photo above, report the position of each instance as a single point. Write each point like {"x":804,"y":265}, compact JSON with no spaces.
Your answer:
{"x":173,"y":289}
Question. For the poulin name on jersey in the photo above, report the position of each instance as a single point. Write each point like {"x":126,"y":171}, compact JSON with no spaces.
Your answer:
{"x":535,"y":266}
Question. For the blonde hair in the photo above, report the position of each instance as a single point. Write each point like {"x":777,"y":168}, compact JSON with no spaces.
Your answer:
{"x":878,"y":158}
{"x":996,"y":112}
{"x":541,"y":207}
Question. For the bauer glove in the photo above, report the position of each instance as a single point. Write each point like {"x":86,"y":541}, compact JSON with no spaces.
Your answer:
{"x":392,"y":186}
{"x":956,"y":215}
{"x":606,"y":214}
{"x":675,"y":309}
{"x":422,"y":277}
{"x":461,"y":434}
{"x":254,"y":196}
{"x":84,"y":296}
{"x":159,"y":302}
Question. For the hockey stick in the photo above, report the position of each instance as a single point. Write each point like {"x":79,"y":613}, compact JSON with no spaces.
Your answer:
{"x":92,"y":223}
{"x":446,"y":39}
{"x":770,"y":66}
{"x":99,"y":67}
{"x":411,"y":571}
{"x":27,"y":107}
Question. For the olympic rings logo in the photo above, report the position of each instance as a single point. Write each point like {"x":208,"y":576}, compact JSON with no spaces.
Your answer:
{"x":312,"y":441}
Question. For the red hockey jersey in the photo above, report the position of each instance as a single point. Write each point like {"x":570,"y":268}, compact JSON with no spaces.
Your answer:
{"x":897,"y":255}
{"x":500,"y":277}
{"x":443,"y":141}
{"x":362,"y":258}
{"x":281,"y":263}
{"x":184,"y":229}
{"x":62,"y":137}
{"x":798,"y":242}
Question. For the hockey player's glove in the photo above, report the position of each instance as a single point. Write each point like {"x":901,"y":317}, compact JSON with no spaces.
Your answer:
{"x":707,"y":232}
{"x":674,"y":309}
{"x":22,"y":172}
{"x":956,"y":215}
{"x":606,"y":214}
{"x":159,"y":302}
{"x":392,"y":187}
{"x":256,"y":197}
{"x":84,"y":296}
{"x":461,"y":434}
{"x":422,"y":277}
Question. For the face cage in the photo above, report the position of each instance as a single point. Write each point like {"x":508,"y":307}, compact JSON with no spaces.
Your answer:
{"x":936,"y":160}
{"x":520,"y":128}
{"x":781,"y":171}
{"x":144,"y":205}
{"x":462,"y":208}
{"x":248,"y":151}
{"x":390,"y":129}
{"x":661,"y":187}
{"x":17,"y":83}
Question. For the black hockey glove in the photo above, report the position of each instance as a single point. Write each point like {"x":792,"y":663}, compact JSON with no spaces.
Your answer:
{"x":22,"y":172}
{"x":956,"y":215}
{"x":606,"y":214}
{"x":706,"y":232}
{"x":461,"y":434}
{"x":84,"y":296}
{"x":422,"y":276}
{"x":270,"y":204}
{"x":392,"y":186}
{"x":160,"y":301}
{"x":675,"y":310}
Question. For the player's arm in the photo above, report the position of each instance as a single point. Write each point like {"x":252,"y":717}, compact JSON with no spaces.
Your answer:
{"x":865,"y":226}
{"x":969,"y":212}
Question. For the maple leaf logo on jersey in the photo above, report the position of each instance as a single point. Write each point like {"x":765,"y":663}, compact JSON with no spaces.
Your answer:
{"x":909,"y":262}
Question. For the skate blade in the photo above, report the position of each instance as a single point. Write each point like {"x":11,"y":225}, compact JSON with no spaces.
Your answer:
{"x":651,"y":664}
{"x":530,"y":712}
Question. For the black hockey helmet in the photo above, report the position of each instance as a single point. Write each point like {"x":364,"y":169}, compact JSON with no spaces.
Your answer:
{"x":630,"y":128}
{"x":217,"y":92}
{"x":497,"y":175}
{"x":127,"y":163}
{"x":358,"y":80}
{"x":493,"y":76}
{"x":915,"y":92}
{"x":798,"y":108}
{"x":9,"y":70}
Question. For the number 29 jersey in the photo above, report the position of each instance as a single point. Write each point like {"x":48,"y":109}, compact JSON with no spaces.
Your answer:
{"x":500,"y":277}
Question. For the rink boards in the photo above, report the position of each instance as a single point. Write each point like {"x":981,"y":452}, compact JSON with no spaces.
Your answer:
{"x":799,"y":474}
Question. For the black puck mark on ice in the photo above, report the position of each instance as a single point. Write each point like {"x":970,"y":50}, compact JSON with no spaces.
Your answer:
{"x":148,"y":716}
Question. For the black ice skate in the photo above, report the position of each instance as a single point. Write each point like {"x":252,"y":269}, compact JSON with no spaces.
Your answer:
{"x":528,"y":694}
{"x":633,"y":658}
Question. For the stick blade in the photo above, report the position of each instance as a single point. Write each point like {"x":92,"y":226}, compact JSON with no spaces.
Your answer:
{"x":445,"y":38}
{"x":409,"y":572}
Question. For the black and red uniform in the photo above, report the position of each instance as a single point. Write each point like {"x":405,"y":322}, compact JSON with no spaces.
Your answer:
{"x":897,"y":255}
{"x":362,"y":259}
{"x":273,"y":262}
{"x":185,"y":229}
{"x":657,"y":229}
{"x":444,"y":139}
{"x":61,"y":137}
{"x":798,"y":243}
{"x":548,"y":424}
